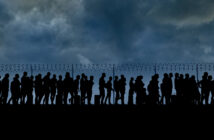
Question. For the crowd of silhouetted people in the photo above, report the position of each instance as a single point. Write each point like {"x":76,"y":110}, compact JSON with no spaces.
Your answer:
{"x":53,"y":89}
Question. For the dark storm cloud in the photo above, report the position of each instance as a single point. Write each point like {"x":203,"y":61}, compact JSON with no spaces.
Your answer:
{"x":106,"y":31}
{"x":183,"y":12}
{"x":117,"y":21}
{"x":5,"y":16}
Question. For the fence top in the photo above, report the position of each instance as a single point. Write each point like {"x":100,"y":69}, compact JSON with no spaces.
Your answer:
{"x":108,"y":67}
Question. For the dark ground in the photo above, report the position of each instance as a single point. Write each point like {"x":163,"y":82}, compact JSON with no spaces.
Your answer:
{"x":106,"y":109}
{"x":124,"y":117}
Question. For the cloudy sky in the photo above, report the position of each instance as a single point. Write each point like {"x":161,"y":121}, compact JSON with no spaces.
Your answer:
{"x":106,"y":31}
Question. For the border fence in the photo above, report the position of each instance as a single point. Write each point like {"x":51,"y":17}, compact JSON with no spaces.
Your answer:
{"x":160,"y":67}
{"x":129,"y":70}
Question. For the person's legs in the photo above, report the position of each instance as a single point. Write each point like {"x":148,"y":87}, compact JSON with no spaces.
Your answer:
{"x":52,"y":98}
{"x":109,"y":98}
{"x":117,"y":96}
{"x":106,"y":99}
{"x":122,"y":98}
{"x":207,"y":98}
{"x":47,"y":97}
{"x":130,"y":102}
{"x":5,"y":97}
{"x":40,"y":98}
{"x":89,"y":97}
{"x":102,"y":95}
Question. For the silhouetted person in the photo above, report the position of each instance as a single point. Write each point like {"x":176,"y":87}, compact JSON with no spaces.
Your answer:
{"x":117,"y":89}
{"x":131,"y":91}
{"x":181,"y":89}
{"x":195,"y":96}
{"x":164,"y":88}
{"x":38,"y":89}
{"x":122,"y":85}
{"x":140,"y":91}
{"x":15,"y":90}
{"x":60,"y":90}
{"x":176,"y":82}
{"x":24,"y":87}
{"x":0,"y":89}
{"x":169,"y":89}
{"x":5,"y":88}
{"x":89,"y":87}
{"x":153,"y":89}
{"x":75,"y":88}
{"x":46,"y":88}
{"x":53,"y":86}
{"x":30,"y":90}
{"x":209,"y":89}
{"x":68,"y":81}
{"x":204,"y":84}
{"x":186,"y":90}
{"x":109,"y":89}
{"x":212,"y":91}
{"x":83,"y":88}
{"x":102,"y":87}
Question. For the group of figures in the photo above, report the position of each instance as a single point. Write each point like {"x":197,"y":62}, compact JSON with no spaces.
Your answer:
{"x":51,"y":89}
{"x":47,"y":89}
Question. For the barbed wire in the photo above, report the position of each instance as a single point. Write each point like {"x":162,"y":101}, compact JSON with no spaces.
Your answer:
{"x":118,"y":68}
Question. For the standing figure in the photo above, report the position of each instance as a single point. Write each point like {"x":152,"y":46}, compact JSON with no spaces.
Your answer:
{"x":169,"y":89}
{"x":46,"y":88}
{"x":53,"y":86}
{"x":102,"y":88}
{"x":181,"y":85}
{"x":117,"y":89}
{"x":195,"y":96}
{"x":83,"y":88}
{"x":0,"y":89}
{"x":89,"y":87}
{"x":24,"y":87}
{"x":30,"y":90}
{"x":140,"y":91}
{"x":131,"y":91}
{"x":153,"y":89}
{"x":5,"y":88}
{"x":204,"y":84}
{"x":38,"y":89}
{"x":164,"y":88}
{"x":75,"y":89}
{"x":67,"y":87}
{"x":211,"y":86}
{"x":15,"y":90}
{"x":122,"y":83}
{"x":109,"y":89}
{"x":176,"y":83}
{"x":60,"y":90}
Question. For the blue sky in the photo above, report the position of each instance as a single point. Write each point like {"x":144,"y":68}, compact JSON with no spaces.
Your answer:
{"x":106,"y":31}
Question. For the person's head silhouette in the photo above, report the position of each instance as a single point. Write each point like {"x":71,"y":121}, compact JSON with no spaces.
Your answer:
{"x":25,"y":74}
{"x":103,"y":75}
{"x":17,"y":76}
{"x":7,"y":75}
